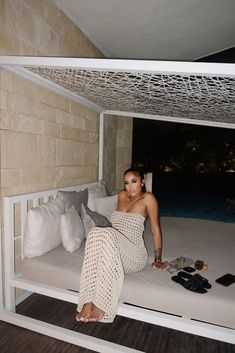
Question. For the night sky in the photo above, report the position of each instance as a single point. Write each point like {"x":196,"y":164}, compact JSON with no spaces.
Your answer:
{"x":199,"y":158}
{"x":159,"y":140}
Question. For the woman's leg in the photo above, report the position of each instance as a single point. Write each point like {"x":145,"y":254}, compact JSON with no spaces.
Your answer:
{"x":102,"y":276}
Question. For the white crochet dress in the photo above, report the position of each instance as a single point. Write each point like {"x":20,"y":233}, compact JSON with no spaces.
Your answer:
{"x":110,"y":252}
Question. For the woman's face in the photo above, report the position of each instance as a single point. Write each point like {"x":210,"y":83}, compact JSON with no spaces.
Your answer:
{"x":133,"y":184}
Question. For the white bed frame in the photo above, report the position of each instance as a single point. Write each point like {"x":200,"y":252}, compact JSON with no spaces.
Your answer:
{"x":13,"y":280}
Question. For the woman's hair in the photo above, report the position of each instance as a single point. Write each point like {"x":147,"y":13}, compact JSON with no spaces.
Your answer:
{"x":137,"y":172}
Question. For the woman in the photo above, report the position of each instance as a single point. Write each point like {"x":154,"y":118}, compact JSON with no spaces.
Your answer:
{"x":112,"y":251}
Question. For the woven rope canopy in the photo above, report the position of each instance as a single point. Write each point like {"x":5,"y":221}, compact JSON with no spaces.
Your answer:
{"x":193,"y":97}
{"x":193,"y":92}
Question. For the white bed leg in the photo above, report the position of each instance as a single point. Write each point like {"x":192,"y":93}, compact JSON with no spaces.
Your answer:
{"x":10,"y":299}
{"x":9,"y":263}
{"x":101,"y":147}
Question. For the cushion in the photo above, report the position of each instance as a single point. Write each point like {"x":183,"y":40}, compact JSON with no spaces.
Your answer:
{"x":95,"y":191}
{"x":71,"y":229}
{"x":106,"y":205}
{"x":75,"y":198}
{"x":42,"y":230}
{"x":93,"y":219}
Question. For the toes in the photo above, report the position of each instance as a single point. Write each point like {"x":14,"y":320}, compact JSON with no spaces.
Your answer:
{"x":82,"y":319}
{"x":92,"y":319}
{"x":78,"y":318}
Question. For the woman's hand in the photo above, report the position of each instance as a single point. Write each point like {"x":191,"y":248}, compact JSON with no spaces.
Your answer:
{"x":160,"y":265}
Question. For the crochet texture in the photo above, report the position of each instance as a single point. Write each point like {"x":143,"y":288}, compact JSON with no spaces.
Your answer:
{"x":110,"y":252}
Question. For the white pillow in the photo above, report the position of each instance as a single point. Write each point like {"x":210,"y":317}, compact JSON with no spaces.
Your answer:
{"x":95,"y":191}
{"x":42,"y":230}
{"x":106,"y":205}
{"x":71,"y":229}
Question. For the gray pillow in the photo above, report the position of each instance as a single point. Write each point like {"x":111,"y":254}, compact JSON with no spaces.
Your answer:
{"x":73,"y":198}
{"x":92,"y":219}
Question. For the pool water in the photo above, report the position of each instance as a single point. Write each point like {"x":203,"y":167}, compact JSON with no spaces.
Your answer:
{"x":216,"y":208}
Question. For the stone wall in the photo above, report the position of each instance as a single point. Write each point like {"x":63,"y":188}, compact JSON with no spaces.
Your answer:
{"x":110,"y":137}
{"x":124,"y":148}
{"x":47,"y":140}
{"x":118,"y":150}
{"x":38,"y":27}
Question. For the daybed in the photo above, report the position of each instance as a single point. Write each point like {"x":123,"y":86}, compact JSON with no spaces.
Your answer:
{"x":196,"y":93}
{"x":149,"y":295}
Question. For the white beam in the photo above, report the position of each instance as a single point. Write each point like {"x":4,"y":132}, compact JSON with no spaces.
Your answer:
{"x":171,"y":119}
{"x":148,"y":66}
{"x":37,"y":79}
{"x":178,"y":323}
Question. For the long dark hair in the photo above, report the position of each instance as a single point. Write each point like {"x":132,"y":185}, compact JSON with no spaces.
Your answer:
{"x":137,"y":172}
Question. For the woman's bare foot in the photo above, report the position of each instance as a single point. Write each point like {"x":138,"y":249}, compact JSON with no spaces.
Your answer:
{"x":96,"y":314}
{"x":85,"y":313}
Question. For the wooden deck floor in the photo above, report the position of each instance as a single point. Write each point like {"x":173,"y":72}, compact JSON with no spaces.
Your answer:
{"x":146,"y":337}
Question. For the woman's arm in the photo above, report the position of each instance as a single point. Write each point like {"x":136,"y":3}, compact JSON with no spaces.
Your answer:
{"x":153,"y":214}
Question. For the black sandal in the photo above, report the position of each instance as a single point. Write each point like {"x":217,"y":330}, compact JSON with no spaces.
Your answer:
{"x":193,"y":284}
{"x":203,"y":280}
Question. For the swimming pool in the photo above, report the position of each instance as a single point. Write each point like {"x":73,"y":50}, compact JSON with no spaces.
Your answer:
{"x":216,"y":208}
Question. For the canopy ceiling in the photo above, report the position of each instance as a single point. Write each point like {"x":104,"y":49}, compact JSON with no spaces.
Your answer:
{"x":173,"y":91}
{"x":155,"y":29}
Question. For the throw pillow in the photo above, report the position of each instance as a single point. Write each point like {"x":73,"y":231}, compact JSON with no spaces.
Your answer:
{"x":42,"y":230}
{"x":75,"y":198}
{"x":93,"y":219}
{"x":106,"y":205}
{"x":71,"y":229}
{"x":95,"y":191}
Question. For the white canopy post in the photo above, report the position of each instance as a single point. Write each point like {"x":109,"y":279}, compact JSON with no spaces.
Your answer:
{"x":101,"y":147}
{"x":1,"y":278}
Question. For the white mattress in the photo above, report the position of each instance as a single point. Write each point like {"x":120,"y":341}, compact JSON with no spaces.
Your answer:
{"x":213,"y":242}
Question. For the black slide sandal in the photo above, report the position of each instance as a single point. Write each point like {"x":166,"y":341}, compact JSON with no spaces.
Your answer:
{"x":203,"y":280}
{"x":183,"y":274}
{"x":193,"y":284}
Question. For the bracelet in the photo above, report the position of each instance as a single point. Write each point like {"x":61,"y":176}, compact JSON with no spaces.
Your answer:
{"x":158,"y":255}
{"x":157,"y":259}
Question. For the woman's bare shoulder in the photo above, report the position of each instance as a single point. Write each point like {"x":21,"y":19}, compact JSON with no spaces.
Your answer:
{"x":122,"y":194}
{"x":149,"y":197}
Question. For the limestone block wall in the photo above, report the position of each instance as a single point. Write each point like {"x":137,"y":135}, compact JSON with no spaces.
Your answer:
{"x":118,"y":150}
{"x":38,"y":118}
{"x":38,"y":27}
{"x":47,"y":140}
{"x":110,"y":138}
{"x":124,"y":148}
